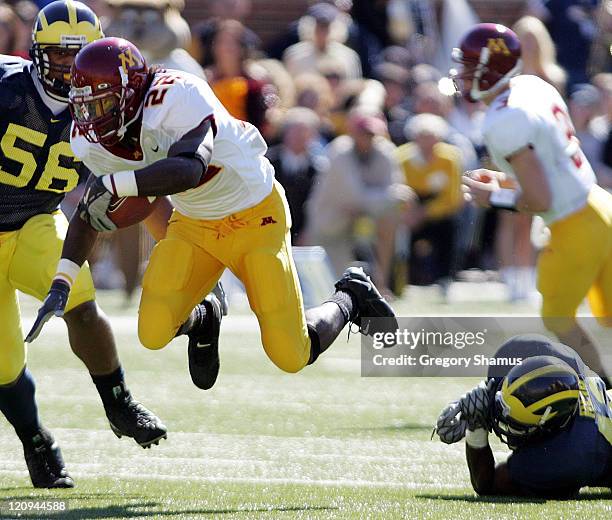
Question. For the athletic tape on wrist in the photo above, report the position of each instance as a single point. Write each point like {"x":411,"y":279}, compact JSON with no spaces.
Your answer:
{"x":477,"y":439}
{"x":67,"y":271}
{"x":121,"y":184}
{"x":504,"y":198}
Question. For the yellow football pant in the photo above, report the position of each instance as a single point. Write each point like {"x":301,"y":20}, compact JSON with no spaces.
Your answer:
{"x":255,"y":244}
{"x":28,"y":262}
{"x":578,"y":261}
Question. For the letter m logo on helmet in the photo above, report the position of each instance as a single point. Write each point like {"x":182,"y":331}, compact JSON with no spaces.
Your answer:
{"x":539,"y":396}
{"x":489,"y":55}
{"x":129,"y":59}
{"x":498,"y":46}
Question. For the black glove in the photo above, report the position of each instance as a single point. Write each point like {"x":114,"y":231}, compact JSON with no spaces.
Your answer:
{"x":54,"y":305}
{"x":94,"y":204}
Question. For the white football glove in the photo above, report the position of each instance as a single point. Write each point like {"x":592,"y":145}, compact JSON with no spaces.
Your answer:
{"x":450,"y":427}
{"x":93,"y":206}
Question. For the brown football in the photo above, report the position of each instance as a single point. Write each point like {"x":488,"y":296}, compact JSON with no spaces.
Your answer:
{"x":127,"y":211}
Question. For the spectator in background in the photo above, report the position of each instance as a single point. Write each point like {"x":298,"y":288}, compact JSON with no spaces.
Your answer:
{"x":396,"y":80}
{"x":538,"y":52}
{"x":280,"y":96}
{"x":601,"y":57}
{"x":467,"y":119}
{"x":572,"y":28}
{"x":433,"y":169}
{"x":307,"y":55}
{"x":26,"y":12}
{"x":373,"y":18}
{"x":296,"y":166}
{"x":427,"y":99}
{"x":313,"y":91}
{"x":584,"y":105}
{"x":348,"y":93}
{"x":8,"y":30}
{"x":237,"y":84}
{"x":603,"y":123}
{"x":157,"y":28}
{"x":362,"y":180}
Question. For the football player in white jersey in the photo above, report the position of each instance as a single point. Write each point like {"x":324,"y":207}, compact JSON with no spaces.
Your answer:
{"x":152,"y":132}
{"x":530,"y":138}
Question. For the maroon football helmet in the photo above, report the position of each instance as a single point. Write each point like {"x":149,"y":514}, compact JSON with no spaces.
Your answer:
{"x":489,"y":55}
{"x":108,"y":83}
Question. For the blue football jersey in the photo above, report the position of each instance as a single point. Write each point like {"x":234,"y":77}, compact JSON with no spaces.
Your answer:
{"x":37,"y":166}
{"x":579,"y":455}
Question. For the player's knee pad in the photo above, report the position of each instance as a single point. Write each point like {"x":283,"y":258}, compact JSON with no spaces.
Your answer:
{"x":286,"y":346}
{"x":269,"y":282}
{"x":156,"y":326}
{"x":170,"y":267}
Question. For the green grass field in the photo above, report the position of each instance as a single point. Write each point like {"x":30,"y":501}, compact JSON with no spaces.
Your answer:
{"x":324,"y":443}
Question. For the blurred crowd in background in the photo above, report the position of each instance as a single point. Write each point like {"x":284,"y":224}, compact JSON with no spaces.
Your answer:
{"x":363,"y":129}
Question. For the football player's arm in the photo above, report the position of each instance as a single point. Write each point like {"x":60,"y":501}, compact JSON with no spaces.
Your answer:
{"x":182,"y":170}
{"x":157,"y":222}
{"x":488,"y":478}
{"x":535,"y":196}
{"x":79,"y":242}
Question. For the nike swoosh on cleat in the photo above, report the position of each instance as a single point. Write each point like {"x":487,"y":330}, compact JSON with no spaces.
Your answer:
{"x":55,"y":120}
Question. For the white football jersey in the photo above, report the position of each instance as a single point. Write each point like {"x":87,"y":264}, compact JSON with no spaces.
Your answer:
{"x":532,"y":112}
{"x":239,"y":175}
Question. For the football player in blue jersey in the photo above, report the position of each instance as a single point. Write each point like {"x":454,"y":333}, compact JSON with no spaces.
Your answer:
{"x":553,"y":413}
{"x":37,"y":168}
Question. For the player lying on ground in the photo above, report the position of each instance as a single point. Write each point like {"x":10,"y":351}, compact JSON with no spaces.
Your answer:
{"x":149,"y":132}
{"x":37,"y":168}
{"x":553,"y":413}
{"x":530,"y":137}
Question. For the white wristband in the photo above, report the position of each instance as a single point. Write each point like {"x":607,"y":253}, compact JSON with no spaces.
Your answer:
{"x":121,"y":184}
{"x":477,"y":439}
{"x":67,"y":271}
{"x":504,"y":198}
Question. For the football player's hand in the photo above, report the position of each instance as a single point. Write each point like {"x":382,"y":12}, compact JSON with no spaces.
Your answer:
{"x":478,"y":192}
{"x":54,"y":305}
{"x":94,"y":205}
{"x":450,"y":426}
{"x":476,"y":404}
{"x":485,"y":175}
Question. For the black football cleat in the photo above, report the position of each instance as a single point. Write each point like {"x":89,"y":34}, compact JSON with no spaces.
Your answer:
{"x":203,"y":350}
{"x":370,"y":303}
{"x":129,"y":418}
{"x":219,"y":292}
{"x":45,"y":462}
